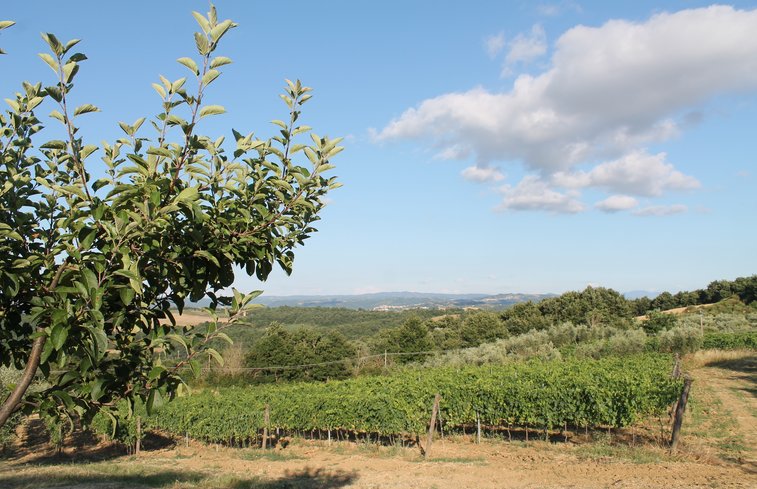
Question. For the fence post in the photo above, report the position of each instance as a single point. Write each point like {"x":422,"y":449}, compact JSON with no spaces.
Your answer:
{"x":680,"y":409}
{"x":676,"y":373}
{"x":478,"y":429}
{"x":432,"y":425}
{"x":266,"y":422}
{"x":138,"y":445}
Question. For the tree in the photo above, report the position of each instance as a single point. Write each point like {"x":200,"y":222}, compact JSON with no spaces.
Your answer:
{"x":411,"y":340}
{"x":89,"y":270}
{"x":659,"y":321}
{"x":316,"y":355}
{"x":482,"y":327}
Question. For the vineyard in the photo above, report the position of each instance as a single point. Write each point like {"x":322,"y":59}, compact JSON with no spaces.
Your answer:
{"x":610,"y":392}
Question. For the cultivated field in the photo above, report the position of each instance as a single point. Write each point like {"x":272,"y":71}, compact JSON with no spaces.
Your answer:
{"x":719,"y":449}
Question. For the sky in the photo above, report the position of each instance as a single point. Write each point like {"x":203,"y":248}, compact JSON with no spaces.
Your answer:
{"x":490,"y":147}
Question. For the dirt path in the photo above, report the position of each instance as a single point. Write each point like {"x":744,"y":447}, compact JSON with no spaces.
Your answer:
{"x":455,"y":465}
{"x":734,"y":382}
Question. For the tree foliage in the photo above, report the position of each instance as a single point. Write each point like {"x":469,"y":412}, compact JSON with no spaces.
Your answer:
{"x":318,"y":355}
{"x":89,"y":268}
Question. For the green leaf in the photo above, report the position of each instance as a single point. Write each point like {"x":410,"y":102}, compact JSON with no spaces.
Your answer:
{"x":58,"y":336}
{"x":211,"y":110}
{"x":54,"y":43}
{"x":154,"y":401}
{"x":97,"y":391}
{"x":100,"y":341}
{"x":209,"y":76}
{"x":159,"y":88}
{"x":54,"y":144}
{"x":202,"y":44}
{"x":216,"y":356}
{"x":178,"y":339}
{"x":189,"y":63}
{"x":89,"y":278}
{"x":54,"y":93}
{"x":220,"y":61}
{"x":202,"y":21}
{"x":69,"y":71}
{"x":155,"y":372}
{"x":85,"y":109}
{"x":126,"y":294}
{"x":51,"y":62}
{"x":217,"y":32}
{"x":70,"y":44}
{"x":14,"y":105}
{"x":189,"y":194}
{"x":207,"y":256}
{"x":57,"y":115}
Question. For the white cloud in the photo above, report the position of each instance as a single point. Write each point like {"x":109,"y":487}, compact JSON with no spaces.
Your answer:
{"x":534,"y":194}
{"x":616,"y":203}
{"x":609,"y":92}
{"x":554,"y":9}
{"x":661,"y":210}
{"x":494,"y":44}
{"x":637,"y":173}
{"x":482,"y":174}
{"x":454,"y":152}
{"x":525,"y":48}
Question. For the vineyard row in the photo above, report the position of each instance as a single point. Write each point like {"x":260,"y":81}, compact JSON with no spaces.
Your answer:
{"x":534,"y":394}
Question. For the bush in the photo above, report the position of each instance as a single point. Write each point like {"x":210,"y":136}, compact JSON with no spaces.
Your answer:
{"x":730,"y":341}
{"x":682,"y":339}
{"x":659,"y":321}
{"x":621,"y":343}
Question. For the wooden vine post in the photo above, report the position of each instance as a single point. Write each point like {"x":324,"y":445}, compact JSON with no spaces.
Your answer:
{"x":680,"y":409}
{"x":432,"y":426}
{"x":676,"y":373}
{"x":138,"y":444}
{"x":266,"y":422}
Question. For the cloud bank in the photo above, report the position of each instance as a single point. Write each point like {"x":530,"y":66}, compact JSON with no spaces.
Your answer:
{"x":609,"y":92}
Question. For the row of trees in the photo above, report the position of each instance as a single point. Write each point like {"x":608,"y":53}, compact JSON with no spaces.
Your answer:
{"x":745,"y":288}
{"x":597,"y":309}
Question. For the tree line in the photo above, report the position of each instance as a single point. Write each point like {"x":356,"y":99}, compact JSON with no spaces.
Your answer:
{"x":412,"y":336}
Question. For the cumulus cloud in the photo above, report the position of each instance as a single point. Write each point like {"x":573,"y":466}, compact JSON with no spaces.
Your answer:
{"x":661,"y":210}
{"x":616,"y":203}
{"x":609,"y":92}
{"x":525,"y":48}
{"x":482,"y":174}
{"x":494,"y":44}
{"x":534,"y":194}
{"x":637,"y":173}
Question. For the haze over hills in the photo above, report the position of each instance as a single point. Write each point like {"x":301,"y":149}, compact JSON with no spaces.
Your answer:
{"x":402,"y":300}
{"x":388,"y":301}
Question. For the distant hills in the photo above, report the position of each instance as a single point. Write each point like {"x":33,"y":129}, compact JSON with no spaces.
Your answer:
{"x":638,"y":294}
{"x":388,"y":301}
{"x":398,"y":301}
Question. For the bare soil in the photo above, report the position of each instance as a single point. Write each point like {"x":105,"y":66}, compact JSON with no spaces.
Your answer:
{"x":717,"y":451}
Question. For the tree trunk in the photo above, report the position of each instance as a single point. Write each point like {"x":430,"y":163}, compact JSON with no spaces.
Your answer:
{"x":14,"y":399}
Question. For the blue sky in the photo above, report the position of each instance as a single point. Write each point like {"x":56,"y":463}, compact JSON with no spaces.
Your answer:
{"x":490,"y":146}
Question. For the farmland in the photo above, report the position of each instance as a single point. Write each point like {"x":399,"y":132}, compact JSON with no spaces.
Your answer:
{"x":718,"y":450}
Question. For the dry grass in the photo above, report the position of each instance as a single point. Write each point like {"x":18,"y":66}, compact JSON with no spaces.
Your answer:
{"x":703,"y":358}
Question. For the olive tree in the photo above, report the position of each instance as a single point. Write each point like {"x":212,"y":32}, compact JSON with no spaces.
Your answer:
{"x":91,"y":268}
